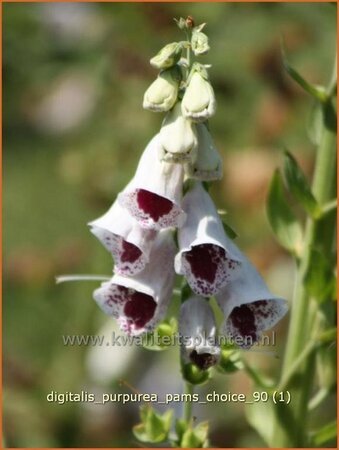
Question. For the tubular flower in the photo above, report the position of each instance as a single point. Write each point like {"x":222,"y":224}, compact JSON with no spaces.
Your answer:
{"x":140,"y":302}
{"x":167,"y":56}
{"x":197,"y":330}
{"x":154,"y":195}
{"x":129,"y":244}
{"x":207,"y":257}
{"x":163,"y":92}
{"x":207,"y":165}
{"x":249,"y":307}
{"x":178,"y":140}
{"x":198,"y":102}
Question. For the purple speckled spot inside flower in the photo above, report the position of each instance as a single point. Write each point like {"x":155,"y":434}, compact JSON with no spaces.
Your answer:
{"x":139,"y":308}
{"x":154,"y":205}
{"x":130,"y":252}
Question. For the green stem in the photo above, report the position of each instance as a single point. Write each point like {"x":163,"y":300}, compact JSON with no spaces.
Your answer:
{"x":187,"y":415}
{"x":304,"y":315}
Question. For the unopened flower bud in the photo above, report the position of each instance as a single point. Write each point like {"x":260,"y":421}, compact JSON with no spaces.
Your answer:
{"x":199,"y":43}
{"x":163,"y":92}
{"x":197,"y":330}
{"x":178,"y":140}
{"x":167,"y":56}
{"x":198,"y":102}
{"x":207,"y":165}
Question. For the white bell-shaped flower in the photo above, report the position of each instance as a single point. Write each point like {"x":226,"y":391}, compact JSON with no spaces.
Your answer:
{"x":178,"y":140}
{"x":154,"y":195}
{"x":140,"y":302}
{"x":207,"y":257}
{"x":249,"y":307}
{"x":207,"y":165}
{"x":129,"y":243}
{"x":198,"y":102}
{"x":197,"y":332}
{"x":163,"y":92}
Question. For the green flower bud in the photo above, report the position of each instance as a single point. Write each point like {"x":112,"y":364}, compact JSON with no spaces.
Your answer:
{"x":199,"y":43}
{"x":168,"y":56}
{"x":178,"y":141}
{"x":163,"y":92}
{"x":154,"y":427}
{"x":194,"y":375}
{"x":198,"y":102}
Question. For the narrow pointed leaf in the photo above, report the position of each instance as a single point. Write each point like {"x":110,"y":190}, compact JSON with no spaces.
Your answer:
{"x":298,"y":185}
{"x":282,"y":220}
{"x":316,"y":91}
{"x":325,"y":434}
{"x":229,"y":231}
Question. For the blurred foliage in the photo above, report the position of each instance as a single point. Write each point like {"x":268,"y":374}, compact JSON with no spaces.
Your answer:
{"x":73,"y":129}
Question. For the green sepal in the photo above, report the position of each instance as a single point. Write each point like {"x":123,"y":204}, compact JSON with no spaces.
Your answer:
{"x":230,"y":361}
{"x":229,"y":231}
{"x":298,"y":185}
{"x":154,"y":427}
{"x":162,"y":337}
{"x":284,"y":224}
{"x":190,"y":437}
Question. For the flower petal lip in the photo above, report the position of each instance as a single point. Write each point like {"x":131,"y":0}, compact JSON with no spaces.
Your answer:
{"x":178,"y":139}
{"x":198,"y":102}
{"x":249,"y":307}
{"x":140,"y":302}
{"x":207,"y":165}
{"x":154,"y":195}
{"x":197,"y":330}
{"x":207,"y":257}
{"x":163,"y":92}
{"x":122,"y":236}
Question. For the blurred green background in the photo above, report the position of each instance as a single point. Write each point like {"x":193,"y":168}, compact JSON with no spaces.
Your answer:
{"x":74,"y":75}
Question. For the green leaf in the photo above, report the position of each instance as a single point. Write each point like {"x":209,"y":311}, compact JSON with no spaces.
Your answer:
{"x":282,"y":220}
{"x":325,"y":434}
{"x":318,"y":92}
{"x":154,"y":427}
{"x":229,"y":231}
{"x":298,"y":185}
{"x":320,"y":278}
